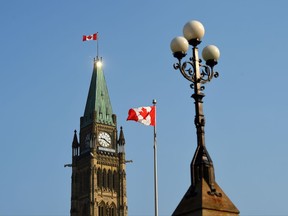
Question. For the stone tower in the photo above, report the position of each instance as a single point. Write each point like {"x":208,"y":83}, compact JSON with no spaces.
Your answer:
{"x":98,"y":159}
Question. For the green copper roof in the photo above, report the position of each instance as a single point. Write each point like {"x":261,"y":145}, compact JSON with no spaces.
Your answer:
{"x":98,"y":100}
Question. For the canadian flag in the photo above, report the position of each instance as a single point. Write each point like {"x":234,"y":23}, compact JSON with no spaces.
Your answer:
{"x":90,"y":37}
{"x":144,"y":115}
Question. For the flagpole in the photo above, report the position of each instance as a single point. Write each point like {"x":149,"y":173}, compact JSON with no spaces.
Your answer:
{"x":155,"y":165}
{"x":97,"y":45}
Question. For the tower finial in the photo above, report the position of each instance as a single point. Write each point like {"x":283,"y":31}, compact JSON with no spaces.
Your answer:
{"x":75,"y":145}
{"x":121,"y":140}
{"x":75,"y":140}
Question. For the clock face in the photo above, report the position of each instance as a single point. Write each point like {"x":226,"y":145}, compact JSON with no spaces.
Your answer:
{"x":104,"y":139}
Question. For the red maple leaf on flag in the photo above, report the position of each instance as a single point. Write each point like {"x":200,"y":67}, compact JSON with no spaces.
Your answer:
{"x":90,"y":37}
{"x":143,"y":113}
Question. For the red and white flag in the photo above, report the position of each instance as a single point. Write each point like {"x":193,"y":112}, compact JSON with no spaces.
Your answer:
{"x":144,"y":115}
{"x":90,"y":37}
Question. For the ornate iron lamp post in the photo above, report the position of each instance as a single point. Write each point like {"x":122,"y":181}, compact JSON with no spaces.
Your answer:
{"x":204,"y":196}
{"x":198,"y":74}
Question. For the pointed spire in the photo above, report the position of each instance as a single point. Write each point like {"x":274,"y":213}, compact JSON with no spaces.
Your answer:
{"x":75,"y":140}
{"x":75,"y":145}
{"x":121,"y":141}
{"x":98,"y":106}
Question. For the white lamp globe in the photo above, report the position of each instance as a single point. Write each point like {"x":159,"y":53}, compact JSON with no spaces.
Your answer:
{"x":179,"y":44}
{"x":211,"y":52}
{"x":193,"y":30}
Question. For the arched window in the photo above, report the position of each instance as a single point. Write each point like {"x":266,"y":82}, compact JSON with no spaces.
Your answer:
{"x":104,"y":182}
{"x":112,"y":210}
{"x":115,"y":181}
{"x":99,"y":178}
{"x":110,"y":180}
{"x":101,"y":209}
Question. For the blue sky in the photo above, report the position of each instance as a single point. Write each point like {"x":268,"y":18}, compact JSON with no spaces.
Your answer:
{"x":45,"y":71}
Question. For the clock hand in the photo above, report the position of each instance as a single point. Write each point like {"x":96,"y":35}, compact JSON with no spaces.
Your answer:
{"x":104,"y":140}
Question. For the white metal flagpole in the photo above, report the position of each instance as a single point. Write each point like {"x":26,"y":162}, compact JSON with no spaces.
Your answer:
{"x":155,"y":165}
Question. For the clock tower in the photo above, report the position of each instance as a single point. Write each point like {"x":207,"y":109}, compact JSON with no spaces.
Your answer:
{"x":98,"y":156}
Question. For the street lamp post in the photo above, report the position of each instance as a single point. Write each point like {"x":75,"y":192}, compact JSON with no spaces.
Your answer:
{"x":204,"y":196}
{"x":198,"y":74}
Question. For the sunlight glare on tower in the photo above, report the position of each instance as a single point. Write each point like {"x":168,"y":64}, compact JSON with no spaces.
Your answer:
{"x":99,"y":63}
